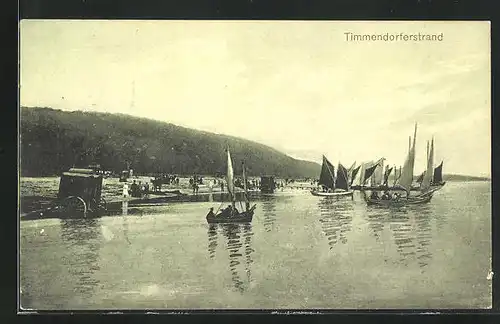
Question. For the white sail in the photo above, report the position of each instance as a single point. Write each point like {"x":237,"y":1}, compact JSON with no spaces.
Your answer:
{"x":406,"y":178}
{"x":378,"y":175}
{"x":361,"y":174}
{"x":426,"y":182}
{"x":230,"y":176}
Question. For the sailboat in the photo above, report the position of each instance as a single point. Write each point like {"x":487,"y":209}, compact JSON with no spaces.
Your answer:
{"x":231,"y":213}
{"x":405,"y":183}
{"x":333,"y":186}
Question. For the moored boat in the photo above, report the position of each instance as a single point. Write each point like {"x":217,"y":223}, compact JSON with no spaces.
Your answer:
{"x":405,"y":181}
{"x":401,"y":201}
{"x":333,"y":186}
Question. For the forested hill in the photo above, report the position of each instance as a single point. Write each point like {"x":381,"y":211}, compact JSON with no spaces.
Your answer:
{"x":459,"y":177}
{"x":52,"y":141}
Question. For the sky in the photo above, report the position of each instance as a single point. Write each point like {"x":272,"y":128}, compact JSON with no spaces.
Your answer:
{"x":299,"y":86}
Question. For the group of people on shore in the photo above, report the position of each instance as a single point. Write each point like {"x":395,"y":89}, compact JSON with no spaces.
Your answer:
{"x":136,"y":190}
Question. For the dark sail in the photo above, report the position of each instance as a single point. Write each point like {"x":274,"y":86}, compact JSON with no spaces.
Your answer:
{"x":438,"y":174}
{"x":369,"y":171}
{"x":386,"y":175}
{"x":341,"y":181}
{"x":421,"y":177}
{"x":326,"y":177}
{"x":354,"y":173}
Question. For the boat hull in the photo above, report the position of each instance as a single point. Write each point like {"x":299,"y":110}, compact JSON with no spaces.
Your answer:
{"x":332,"y":194}
{"x":417,"y":200}
{"x":242,"y":217}
{"x":385,"y":188}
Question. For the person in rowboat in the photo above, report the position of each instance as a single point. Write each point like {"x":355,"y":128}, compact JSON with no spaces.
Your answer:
{"x":211,"y":212}
{"x":228,"y":211}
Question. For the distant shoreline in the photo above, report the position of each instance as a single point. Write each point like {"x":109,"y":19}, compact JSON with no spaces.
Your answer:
{"x":450,"y":178}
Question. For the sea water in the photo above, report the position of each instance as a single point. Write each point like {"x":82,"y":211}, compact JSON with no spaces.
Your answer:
{"x":300,"y":251}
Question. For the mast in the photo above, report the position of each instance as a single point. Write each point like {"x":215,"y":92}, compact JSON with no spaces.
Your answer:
{"x":427,"y":150}
{"x":247,"y":204}
{"x":406,"y":178}
{"x":427,"y":179}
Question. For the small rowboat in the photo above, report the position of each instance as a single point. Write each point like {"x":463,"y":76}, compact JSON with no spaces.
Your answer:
{"x":417,"y":200}
{"x":332,"y":194}
{"x":224,"y":217}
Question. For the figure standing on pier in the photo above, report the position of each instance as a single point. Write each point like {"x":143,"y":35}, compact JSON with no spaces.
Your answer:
{"x":125,"y":190}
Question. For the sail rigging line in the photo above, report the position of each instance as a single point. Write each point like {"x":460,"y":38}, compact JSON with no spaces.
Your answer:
{"x":222,"y":203}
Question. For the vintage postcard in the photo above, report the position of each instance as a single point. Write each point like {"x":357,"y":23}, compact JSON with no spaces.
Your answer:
{"x":254,"y":165}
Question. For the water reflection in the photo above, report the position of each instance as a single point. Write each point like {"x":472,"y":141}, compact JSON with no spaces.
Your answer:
{"x":411,"y":230}
{"x":239,"y":245}
{"x":424,"y":237}
{"x":403,"y":234}
{"x":269,"y":212}
{"x":212,"y":240}
{"x":376,"y":222}
{"x":248,"y":236}
{"x":124,"y":207}
{"x":336,"y":219}
{"x":83,"y":239}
